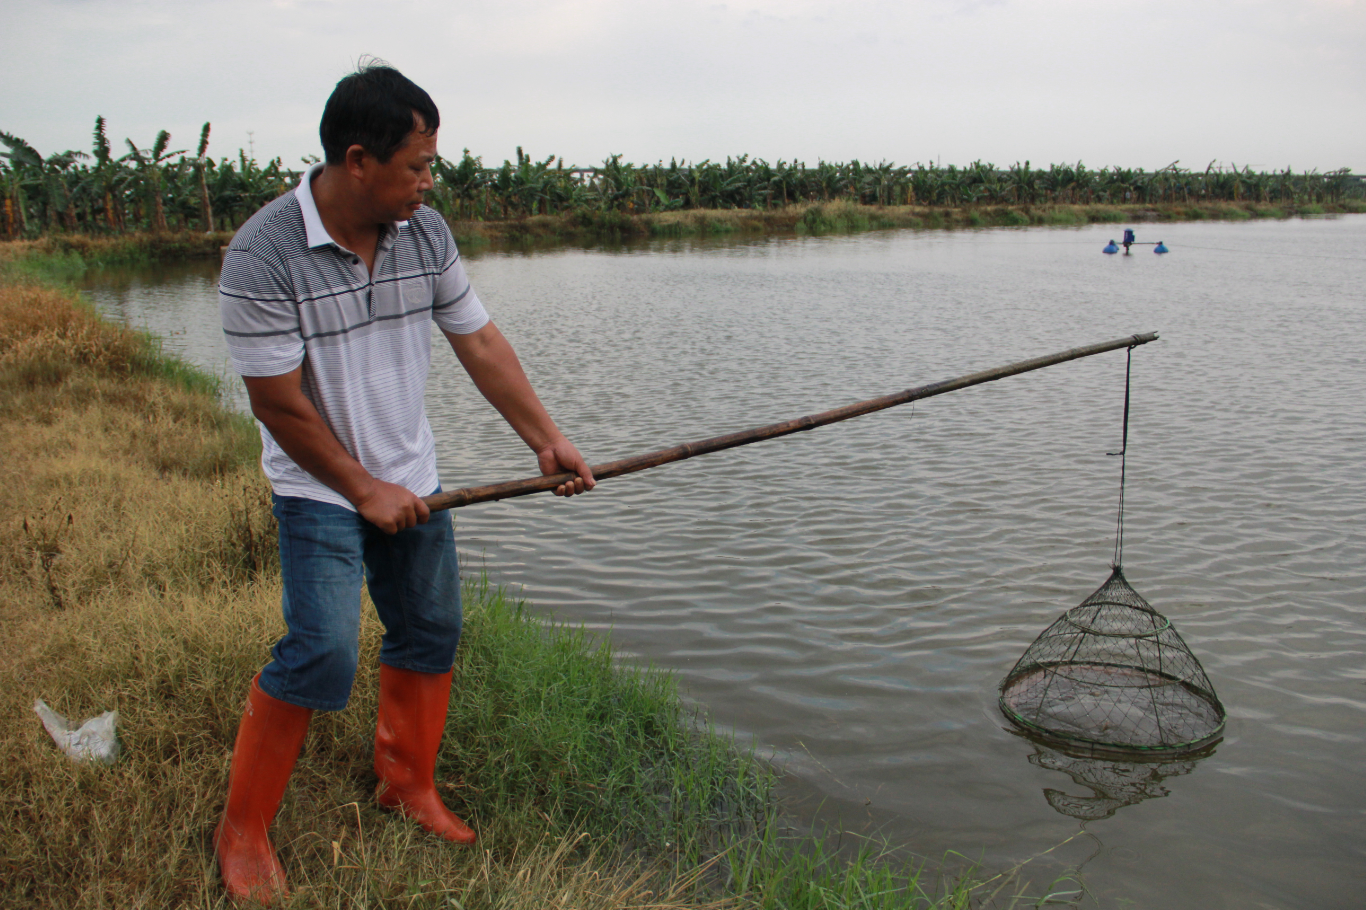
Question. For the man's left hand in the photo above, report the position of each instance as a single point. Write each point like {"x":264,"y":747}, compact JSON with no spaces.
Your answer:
{"x":561,"y":456}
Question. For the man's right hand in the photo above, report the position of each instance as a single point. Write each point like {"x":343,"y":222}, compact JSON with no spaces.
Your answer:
{"x":392,"y":508}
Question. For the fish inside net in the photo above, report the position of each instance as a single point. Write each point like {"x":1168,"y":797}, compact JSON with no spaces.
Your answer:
{"x":1112,"y":676}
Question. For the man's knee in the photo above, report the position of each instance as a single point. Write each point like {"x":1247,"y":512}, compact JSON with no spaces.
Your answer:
{"x":336,"y":663}
{"x":313,"y":671}
{"x":446,"y":625}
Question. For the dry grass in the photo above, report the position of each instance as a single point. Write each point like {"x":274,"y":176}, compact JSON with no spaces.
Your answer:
{"x":117,"y":477}
{"x":124,"y":558}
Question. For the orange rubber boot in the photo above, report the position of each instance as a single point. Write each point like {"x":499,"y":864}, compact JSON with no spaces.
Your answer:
{"x":412,"y":718}
{"x":268,"y":743}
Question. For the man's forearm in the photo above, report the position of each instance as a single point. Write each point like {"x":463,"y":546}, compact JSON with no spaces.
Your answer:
{"x":492,"y":364}
{"x":489,"y":359}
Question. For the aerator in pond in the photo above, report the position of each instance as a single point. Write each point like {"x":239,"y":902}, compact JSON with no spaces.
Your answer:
{"x":1130,"y":240}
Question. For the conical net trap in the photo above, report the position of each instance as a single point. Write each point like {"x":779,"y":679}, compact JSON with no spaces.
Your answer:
{"x":1112,"y":676}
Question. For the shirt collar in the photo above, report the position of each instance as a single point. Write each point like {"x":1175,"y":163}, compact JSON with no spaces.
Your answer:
{"x":313,"y":222}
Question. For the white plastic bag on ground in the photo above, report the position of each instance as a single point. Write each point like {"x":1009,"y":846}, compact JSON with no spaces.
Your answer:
{"x":93,"y":740}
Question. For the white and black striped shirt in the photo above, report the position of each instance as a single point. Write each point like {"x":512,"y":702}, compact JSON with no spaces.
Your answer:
{"x":289,"y":294}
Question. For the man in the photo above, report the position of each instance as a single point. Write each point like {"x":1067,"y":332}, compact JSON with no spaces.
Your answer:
{"x":327,"y":296}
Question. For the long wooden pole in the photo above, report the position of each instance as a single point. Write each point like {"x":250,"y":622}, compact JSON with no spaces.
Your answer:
{"x":492,"y":492}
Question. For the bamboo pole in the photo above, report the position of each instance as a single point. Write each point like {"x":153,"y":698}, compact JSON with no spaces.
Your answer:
{"x":510,"y":489}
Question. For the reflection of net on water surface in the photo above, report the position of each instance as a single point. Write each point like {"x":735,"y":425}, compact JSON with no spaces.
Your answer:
{"x":1112,"y":676}
{"x":1113,"y":784}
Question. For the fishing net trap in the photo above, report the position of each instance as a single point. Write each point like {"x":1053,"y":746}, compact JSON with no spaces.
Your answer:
{"x":1112,"y":676}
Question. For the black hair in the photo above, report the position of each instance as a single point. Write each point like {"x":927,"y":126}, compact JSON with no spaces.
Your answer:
{"x":376,"y":107}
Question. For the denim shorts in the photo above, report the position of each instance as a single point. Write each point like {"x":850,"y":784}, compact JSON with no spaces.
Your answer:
{"x":325,"y":552}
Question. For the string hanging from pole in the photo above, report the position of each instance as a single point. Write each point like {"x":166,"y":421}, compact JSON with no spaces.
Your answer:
{"x":1122,"y":453}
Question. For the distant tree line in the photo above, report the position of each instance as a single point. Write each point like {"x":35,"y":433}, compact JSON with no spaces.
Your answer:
{"x":155,"y":189}
{"x":466,"y":190}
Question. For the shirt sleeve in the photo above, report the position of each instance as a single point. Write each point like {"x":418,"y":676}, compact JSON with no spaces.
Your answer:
{"x":455,"y":306}
{"x":260,"y":316}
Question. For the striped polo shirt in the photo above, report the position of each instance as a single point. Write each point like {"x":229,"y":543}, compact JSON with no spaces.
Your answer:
{"x":290,"y":295}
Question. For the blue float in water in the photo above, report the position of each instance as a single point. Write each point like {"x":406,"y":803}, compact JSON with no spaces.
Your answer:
{"x":1110,"y":248}
{"x":1161,"y":248}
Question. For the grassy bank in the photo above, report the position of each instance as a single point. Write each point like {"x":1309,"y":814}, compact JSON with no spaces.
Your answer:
{"x":844,"y":217}
{"x":137,"y":573}
{"x":66,"y":257}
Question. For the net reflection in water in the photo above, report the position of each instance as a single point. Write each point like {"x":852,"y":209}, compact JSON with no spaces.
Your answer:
{"x":1113,"y":784}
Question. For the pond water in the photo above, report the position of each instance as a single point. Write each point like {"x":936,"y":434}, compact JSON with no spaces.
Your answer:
{"x":849,"y":599}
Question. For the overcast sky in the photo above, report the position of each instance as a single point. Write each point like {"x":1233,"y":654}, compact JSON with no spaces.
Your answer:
{"x":1268,"y":83}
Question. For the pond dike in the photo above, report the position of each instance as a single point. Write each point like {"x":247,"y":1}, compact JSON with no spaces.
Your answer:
{"x":846,"y":217}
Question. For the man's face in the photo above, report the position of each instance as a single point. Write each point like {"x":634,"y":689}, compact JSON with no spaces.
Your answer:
{"x":395,"y":188}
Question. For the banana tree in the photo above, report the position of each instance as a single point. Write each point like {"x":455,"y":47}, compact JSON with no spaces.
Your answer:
{"x":106,"y":176}
{"x":463,"y":182}
{"x":1023,"y":182}
{"x":10,"y":209}
{"x":616,"y":185}
{"x":982,"y":182}
{"x":25,"y":167}
{"x":1057,"y":182}
{"x":149,"y":165}
{"x":832,"y":180}
{"x":50,"y":177}
{"x":201,"y":167}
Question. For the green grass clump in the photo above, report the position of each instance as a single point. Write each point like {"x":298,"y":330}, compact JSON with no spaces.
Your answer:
{"x":550,"y":725}
{"x":839,"y":217}
{"x":1107,"y":215}
{"x":782,"y":875}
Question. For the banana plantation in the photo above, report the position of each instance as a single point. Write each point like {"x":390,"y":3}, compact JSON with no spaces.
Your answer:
{"x":158,"y":189}
{"x":466,"y":190}
{"x":152,"y":189}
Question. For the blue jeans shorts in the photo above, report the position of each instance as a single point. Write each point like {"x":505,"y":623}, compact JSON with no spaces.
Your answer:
{"x":325,"y":552}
